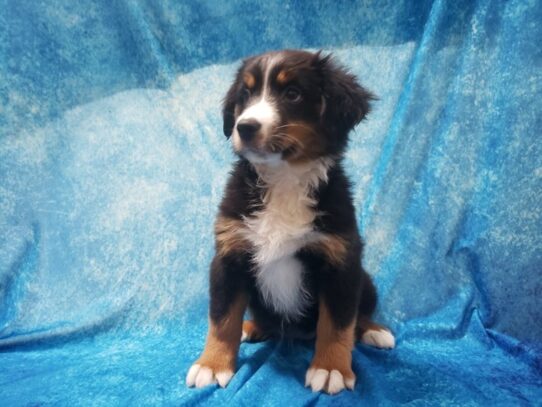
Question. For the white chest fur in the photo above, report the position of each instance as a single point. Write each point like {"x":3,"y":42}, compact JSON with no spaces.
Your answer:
{"x":280,"y":229}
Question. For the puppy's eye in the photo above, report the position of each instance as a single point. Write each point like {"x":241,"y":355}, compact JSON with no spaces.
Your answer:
{"x":245,"y":94}
{"x":292,"y":94}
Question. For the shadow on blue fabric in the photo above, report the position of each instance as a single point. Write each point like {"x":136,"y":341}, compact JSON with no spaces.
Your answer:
{"x":112,"y":163}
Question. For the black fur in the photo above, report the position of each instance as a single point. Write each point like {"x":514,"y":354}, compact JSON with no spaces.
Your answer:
{"x":229,"y":103}
{"x":347,"y":290}
{"x":347,"y":101}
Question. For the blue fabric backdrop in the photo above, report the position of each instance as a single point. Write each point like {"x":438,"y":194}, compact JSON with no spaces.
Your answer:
{"x":112,"y":163}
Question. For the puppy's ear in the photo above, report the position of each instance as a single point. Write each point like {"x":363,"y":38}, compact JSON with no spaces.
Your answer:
{"x":228,"y":106}
{"x":346,"y":101}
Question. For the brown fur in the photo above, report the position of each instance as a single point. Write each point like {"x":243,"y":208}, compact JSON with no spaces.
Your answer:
{"x":253,"y":332}
{"x":333,"y":247}
{"x":229,"y":236}
{"x":285,"y":76}
{"x":304,"y":143}
{"x":333,"y":346}
{"x":249,"y":80}
{"x":223,"y":339}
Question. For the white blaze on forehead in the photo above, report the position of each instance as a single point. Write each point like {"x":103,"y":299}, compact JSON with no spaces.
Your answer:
{"x":262,"y":109}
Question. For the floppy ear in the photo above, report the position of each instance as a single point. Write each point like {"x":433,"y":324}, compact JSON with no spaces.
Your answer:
{"x":230,"y":100}
{"x":346,"y":101}
{"x":228,"y":107}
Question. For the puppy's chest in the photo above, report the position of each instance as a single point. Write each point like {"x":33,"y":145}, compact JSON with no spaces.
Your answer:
{"x":284,"y":225}
{"x":277,"y":232}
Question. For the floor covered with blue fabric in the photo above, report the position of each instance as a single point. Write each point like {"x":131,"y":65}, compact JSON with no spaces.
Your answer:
{"x":113,"y":161}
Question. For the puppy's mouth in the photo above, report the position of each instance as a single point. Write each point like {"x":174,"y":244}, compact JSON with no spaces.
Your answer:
{"x":273,"y":148}
{"x":270,"y":146}
{"x":260,"y":156}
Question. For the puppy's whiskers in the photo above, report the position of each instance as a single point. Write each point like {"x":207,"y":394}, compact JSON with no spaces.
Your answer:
{"x":281,"y":138}
{"x":302,"y":126}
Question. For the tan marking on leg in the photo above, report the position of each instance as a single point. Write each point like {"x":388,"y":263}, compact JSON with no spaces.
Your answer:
{"x":333,"y":247}
{"x":222,"y":346}
{"x":229,"y":236}
{"x":249,"y":80}
{"x":252,"y":333}
{"x":331,"y":367}
{"x":333,"y":346}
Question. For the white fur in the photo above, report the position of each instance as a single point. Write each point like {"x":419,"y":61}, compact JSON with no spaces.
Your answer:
{"x":331,"y":382}
{"x":336,"y":382}
{"x":281,"y":285}
{"x":273,"y":159}
{"x":350,"y":383}
{"x":316,"y":379}
{"x":282,"y":228}
{"x":201,"y":376}
{"x":379,"y":338}
{"x":191,"y":375}
{"x":262,"y":110}
{"x":224,"y":378}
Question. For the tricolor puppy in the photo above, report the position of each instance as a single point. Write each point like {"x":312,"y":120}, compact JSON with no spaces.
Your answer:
{"x":287,"y":243}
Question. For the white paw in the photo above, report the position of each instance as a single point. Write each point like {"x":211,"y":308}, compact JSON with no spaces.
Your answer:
{"x":201,"y":376}
{"x":379,"y":338}
{"x":244,"y":336}
{"x":330,"y":382}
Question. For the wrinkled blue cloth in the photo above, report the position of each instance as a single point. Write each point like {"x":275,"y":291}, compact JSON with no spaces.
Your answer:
{"x":112,"y":164}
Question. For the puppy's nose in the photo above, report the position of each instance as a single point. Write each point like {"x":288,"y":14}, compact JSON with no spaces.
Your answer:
{"x":248,"y":128}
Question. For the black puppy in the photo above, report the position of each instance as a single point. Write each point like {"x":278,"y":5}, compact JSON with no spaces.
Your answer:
{"x":287,"y":243}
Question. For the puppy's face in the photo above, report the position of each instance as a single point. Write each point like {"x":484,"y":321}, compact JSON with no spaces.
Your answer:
{"x":293,"y":106}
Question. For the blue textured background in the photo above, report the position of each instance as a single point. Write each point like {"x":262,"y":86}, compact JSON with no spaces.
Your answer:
{"x":112,"y":163}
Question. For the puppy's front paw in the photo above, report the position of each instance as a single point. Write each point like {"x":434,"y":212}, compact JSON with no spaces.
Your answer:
{"x":200,"y":375}
{"x":331,"y":381}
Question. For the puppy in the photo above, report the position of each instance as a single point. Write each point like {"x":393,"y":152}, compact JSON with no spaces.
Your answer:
{"x":287,"y":242}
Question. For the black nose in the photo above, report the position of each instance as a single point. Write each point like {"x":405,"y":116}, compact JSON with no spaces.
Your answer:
{"x":248,"y":128}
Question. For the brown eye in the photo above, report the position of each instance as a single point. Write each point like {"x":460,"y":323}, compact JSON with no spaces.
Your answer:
{"x":292,"y":94}
{"x":245,"y":94}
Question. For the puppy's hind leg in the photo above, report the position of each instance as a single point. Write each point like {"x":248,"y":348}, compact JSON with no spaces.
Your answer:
{"x":373,"y":334}
{"x":367,"y":331}
{"x":252,"y":332}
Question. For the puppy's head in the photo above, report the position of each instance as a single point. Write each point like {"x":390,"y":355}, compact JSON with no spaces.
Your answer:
{"x":292,"y":105}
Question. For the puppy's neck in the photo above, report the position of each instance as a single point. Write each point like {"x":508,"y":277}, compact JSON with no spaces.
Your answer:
{"x":303,"y":175}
